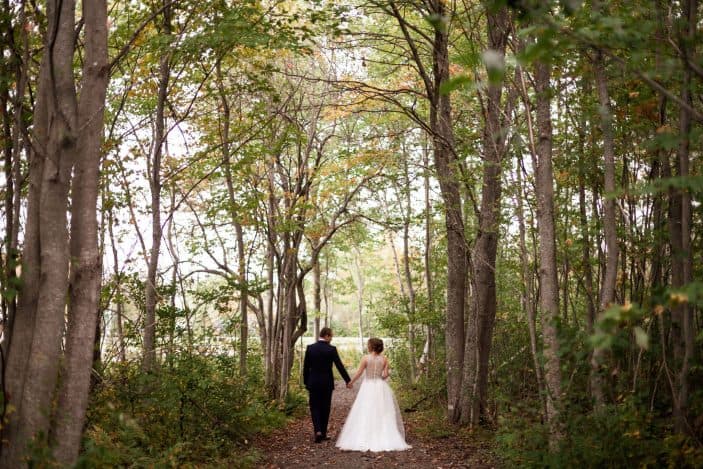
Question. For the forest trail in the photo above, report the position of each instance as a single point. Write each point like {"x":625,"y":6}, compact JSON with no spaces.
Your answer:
{"x":293,"y":446}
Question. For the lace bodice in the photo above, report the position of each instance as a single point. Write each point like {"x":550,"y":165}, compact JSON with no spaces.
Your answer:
{"x":374,"y":366}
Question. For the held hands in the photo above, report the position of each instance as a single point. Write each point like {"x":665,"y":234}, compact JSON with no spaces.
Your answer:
{"x":350,"y":385}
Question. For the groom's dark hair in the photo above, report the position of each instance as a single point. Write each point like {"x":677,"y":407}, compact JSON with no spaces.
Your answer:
{"x":326,"y":332}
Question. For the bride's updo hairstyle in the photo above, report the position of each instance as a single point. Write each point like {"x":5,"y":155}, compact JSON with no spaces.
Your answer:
{"x":376,"y":345}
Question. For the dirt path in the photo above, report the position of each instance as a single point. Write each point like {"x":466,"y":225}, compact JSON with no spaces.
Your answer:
{"x":292,"y":446}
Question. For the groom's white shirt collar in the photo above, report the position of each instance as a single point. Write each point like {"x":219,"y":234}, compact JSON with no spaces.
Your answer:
{"x":322,"y":340}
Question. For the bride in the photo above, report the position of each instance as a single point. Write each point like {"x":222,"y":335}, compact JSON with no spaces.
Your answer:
{"x":374,"y":422}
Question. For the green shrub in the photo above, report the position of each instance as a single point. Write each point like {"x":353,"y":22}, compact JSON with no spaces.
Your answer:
{"x":618,"y":436}
{"x":196,"y":410}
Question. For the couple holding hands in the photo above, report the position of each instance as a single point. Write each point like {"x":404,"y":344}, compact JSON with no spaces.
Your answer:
{"x":374,"y":422}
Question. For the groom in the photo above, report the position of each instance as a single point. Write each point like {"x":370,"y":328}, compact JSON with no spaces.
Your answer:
{"x":318,"y":379}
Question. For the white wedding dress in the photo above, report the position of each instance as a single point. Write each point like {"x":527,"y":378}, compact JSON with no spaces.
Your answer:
{"x":374,"y":422}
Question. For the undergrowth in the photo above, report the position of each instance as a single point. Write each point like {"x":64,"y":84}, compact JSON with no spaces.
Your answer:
{"x":194,"y":411}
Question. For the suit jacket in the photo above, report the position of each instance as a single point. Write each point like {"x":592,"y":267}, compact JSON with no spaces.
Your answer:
{"x":317,"y":366}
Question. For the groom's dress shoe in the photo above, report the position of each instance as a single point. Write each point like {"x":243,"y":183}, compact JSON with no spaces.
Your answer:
{"x":319,"y":438}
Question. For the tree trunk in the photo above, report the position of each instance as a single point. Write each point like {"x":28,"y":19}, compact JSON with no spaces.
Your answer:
{"x":317,"y":298}
{"x":396,"y":264}
{"x":658,"y":217}
{"x":585,"y":234}
{"x":607,"y":295}
{"x":295,"y":312}
{"x":243,"y":299}
{"x":448,"y":177}
{"x":442,"y":134}
{"x":407,"y":218}
{"x":269,"y":315}
{"x":175,"y":261}
{"x":405,"y":280}
{"x":549,"y":287}
{"x":528,"y":282}
{"x":680,"y":218}
{"x":273,"y":300}
{"x":86,"y":262}
{"x":486,"y":246}
{"x":359,"y":281}
{"x":239,"y":232}
{"x":566,"y":270}
{"x":326,"y":294}
{"x":13,"y":128}
{"x":160,"y":135}
{"x":119,"y":300}
{"x":21,"y":328}
{"x":427,"y":354}
{"x":42,"y":306}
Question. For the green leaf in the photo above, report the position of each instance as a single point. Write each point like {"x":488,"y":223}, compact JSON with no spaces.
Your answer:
{"x":454,"y":83}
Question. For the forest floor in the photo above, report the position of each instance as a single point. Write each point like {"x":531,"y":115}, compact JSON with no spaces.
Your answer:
{"x":434,"y":445}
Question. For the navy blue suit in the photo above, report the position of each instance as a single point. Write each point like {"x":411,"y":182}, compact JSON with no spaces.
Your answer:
{"x":319,"y":381}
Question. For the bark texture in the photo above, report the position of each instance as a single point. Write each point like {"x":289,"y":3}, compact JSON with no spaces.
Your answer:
{"x":160,"y":134}
{"x":448,"y":178}
{"x":85,"y":254}
{"x":549,"y":286}
{"x":474,"y":399}
{"x":607,"y":294}
{"x":235,"y":217}
{"x":680,"y":218}
{"x":441,"y":132}
{"x":34,"y":357}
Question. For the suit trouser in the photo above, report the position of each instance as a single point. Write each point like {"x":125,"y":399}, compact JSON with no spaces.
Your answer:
{"x":320,"y":404}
